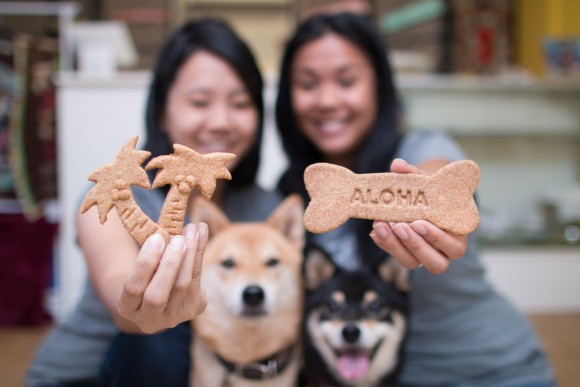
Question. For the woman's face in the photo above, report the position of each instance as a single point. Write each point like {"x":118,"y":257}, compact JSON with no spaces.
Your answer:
{"x":333,"y":96}
{"x":209,"y":108}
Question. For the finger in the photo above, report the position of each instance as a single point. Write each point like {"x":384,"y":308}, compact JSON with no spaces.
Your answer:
{"x":180,"y":294}
{"x":158,"y":291}
{"x":433,"y":260}
{"x":140,"y":275}
{"x":451,"y":245}
{"x":199,"y":293}
{"x":183,"y":280}
{"x":384,"y":237}
{"x":201,"y":244}
{"x":401,"y":166}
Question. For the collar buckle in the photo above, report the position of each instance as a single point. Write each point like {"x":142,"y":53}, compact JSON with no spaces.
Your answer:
{"x":258,"y":371}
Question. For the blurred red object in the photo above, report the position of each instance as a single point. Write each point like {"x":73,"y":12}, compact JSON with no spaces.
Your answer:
{"x":26,"y":250}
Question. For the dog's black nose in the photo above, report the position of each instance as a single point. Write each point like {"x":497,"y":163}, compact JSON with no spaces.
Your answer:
{"x":351,"y":333}
{"x":253,"y":295}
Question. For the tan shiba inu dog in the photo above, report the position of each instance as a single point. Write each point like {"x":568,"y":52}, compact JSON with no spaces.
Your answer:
{"x":249,"y":334}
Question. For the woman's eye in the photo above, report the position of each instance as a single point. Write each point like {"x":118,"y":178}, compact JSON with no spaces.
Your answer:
{"x":241,"y":104}
{"x":305,"y":84}
{"x":346,"y":82}
{"x":228,"y":263}
{"x":199,"y":104}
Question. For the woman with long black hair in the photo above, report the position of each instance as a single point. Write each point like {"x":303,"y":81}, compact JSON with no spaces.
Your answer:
{"x":337,"y":103}
{"x":206,"y":94}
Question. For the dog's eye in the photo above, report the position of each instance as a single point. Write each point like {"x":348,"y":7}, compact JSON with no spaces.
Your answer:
{"x":333,"y":305}
{"x":272,"y":262}
{"x":330,"y":309}
{"x":228,"y":263}
{"x":375,"y":305}
{"x":378,"y":309}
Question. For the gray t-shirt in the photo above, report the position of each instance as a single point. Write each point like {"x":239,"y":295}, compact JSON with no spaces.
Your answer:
{"x":461,"y":332}
{"x":74,"y":350}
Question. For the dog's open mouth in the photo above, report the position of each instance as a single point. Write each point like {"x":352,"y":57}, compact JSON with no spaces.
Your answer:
{"x":353,"y":363}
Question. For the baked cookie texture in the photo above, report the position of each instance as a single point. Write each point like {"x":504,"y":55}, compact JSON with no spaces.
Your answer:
{"x":183,"y":170}
{"x":445,"y":198}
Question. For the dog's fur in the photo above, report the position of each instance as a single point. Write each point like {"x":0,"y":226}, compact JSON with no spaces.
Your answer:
{"x":251,"y":276}
{"x":354,"y":322}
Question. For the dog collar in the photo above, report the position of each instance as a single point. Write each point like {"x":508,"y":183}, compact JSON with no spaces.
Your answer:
{"x":267,"y":368}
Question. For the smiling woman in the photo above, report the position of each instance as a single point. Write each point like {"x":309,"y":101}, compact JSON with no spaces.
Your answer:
{"x":337,"y":103}
{"x":206,"y":94}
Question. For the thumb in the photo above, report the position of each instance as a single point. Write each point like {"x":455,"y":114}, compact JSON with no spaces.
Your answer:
{"x":401,"y":166}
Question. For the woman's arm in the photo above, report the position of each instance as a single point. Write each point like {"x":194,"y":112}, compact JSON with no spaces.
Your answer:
{"x":149,"y":289}
{"x":419,"y":243}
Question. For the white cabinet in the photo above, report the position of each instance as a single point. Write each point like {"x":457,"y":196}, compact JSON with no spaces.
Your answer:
{"x":95,"y":118}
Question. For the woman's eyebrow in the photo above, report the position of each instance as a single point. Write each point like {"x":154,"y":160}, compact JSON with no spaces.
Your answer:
{"x":198,"y":90}
{"x":349,"y":66}
{"x":241,"y":90}
{"x":302,"y":70}
{"x":341,"y":69}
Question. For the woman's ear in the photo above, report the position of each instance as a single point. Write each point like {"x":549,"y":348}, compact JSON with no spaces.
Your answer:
{"x":203,"y":210}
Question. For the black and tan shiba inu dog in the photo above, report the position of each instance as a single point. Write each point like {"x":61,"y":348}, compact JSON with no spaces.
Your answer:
{"x":354,"y":322}
{"x":249,"y":335}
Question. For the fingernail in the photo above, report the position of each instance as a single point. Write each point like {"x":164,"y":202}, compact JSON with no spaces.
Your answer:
{"x":177,"y":243}
{"x":155,"y":242}
{"x":202,"y":229}
{"x":401,"y":232}
{"x":190,"y":232}
{"x":380,"y":230}
{"x":419,"y":228}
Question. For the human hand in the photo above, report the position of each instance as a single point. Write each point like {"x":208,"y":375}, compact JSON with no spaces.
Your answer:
{"x":419,"y":243}
{"x":163,"y":287}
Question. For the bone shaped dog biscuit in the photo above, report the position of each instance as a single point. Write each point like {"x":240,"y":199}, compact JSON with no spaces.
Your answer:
{"x":445,"y":198}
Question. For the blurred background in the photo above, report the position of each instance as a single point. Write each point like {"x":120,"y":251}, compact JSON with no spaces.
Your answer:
{"x":501,"y":76}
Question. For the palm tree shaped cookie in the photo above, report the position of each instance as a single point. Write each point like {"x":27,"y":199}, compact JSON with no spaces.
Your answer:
{"x":183,"y":170}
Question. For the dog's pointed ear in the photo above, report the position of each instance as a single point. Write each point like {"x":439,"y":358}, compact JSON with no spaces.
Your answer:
{"x":318,"y":268}
{"x":391,"y":271}
{"x":288,"y":219}
{"x":203,"y":210}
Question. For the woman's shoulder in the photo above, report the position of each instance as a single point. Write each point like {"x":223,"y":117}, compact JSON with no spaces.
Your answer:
{"x":421,"y":145}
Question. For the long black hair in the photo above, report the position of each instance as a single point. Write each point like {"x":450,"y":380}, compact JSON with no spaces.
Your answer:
{"x":378,"y":150}
{"x":214,"y":36}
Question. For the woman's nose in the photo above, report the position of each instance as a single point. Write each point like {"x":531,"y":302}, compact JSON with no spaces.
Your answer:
{"x":328,"y":97}
{"x":219,"y":119}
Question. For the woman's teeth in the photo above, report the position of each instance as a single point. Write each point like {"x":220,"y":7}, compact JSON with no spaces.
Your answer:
{"x":331,"y":126}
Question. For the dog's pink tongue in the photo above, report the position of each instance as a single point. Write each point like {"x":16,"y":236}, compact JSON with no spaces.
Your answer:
{"x":353,"y":366}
